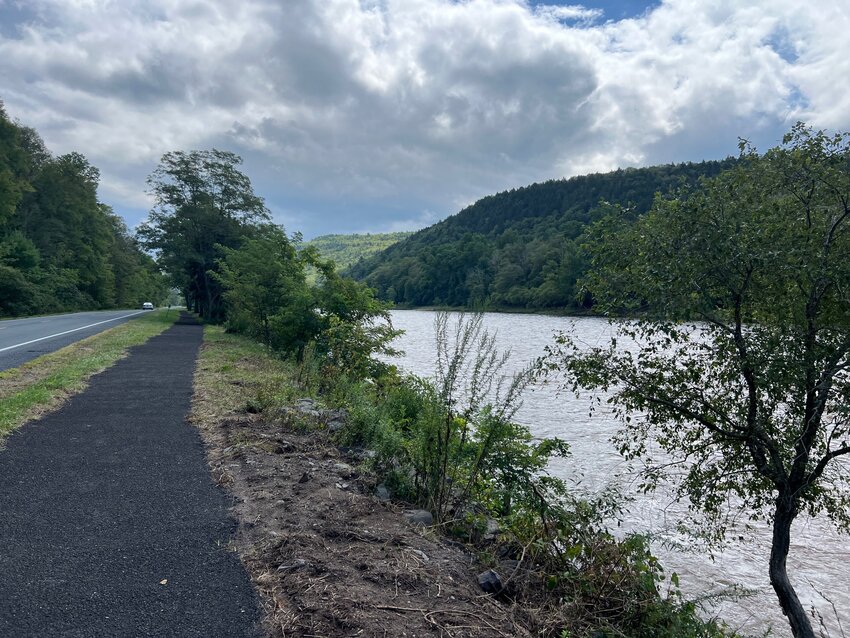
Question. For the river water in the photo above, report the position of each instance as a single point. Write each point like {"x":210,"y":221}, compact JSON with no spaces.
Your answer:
{"x":819,"y":560}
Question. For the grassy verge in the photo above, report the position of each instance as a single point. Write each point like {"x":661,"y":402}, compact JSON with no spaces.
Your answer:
{"x":236,"y":373}
{"x":41,"y":385}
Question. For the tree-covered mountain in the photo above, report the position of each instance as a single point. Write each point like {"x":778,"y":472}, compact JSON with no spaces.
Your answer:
{"x":60,"y":248}
{"x":346,"y":250}
{"x":519,"y":249}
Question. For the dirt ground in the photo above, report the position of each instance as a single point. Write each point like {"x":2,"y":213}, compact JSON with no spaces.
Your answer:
{"x":330,"y":558}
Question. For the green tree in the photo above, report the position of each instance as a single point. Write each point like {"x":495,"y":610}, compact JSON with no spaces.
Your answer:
{"x":66,"y":223}
{"x":137,"y":276}
{"x":11,"y":186}
{"x":353,"y":326}
{"x":261,"y":279}
{"x":203,"y":203}
{"x":753,"y":400}
{"x":60,"y":248}
{"x":268,"y":297}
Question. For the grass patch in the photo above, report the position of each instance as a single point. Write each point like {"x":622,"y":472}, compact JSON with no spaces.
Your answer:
{"x":235,"y":374}
{"x":43,"y":384}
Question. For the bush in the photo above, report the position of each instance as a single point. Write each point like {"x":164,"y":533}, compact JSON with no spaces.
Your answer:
{"x":267,"y":297}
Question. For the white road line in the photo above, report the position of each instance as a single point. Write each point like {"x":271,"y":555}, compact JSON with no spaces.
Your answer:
{"x":59,"y":334}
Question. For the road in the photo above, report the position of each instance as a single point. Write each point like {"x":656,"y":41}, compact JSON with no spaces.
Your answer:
{"x":24,"y":339}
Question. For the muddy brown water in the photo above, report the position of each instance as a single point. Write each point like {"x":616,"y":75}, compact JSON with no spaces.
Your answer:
{"x":819,"y":561}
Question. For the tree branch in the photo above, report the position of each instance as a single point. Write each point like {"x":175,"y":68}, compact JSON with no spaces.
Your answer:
{"x":821,"y":466}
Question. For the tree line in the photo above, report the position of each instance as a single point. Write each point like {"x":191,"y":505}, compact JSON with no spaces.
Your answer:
{"x":520,"y":249}
{"x":216,"y":239}
{"x":61,"y":249}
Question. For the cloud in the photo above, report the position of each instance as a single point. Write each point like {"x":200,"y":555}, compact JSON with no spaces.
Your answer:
{"x":372,"y":113}
{"x":568,"y":13}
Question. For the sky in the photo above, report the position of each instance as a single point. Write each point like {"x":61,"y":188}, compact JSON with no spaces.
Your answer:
{"x":385,"y":115}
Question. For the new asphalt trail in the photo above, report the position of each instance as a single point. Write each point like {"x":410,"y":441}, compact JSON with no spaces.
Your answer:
{"x":110,"y":524}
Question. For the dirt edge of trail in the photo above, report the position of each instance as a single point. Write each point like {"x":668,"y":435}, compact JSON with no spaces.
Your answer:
{"x":328,"y":557}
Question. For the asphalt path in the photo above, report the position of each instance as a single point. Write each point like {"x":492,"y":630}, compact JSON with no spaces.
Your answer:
{"x":24,"y":339}
{"x":110,"y":524}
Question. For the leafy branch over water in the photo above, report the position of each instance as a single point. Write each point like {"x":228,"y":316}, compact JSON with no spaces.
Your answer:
{"x":758,"y":399}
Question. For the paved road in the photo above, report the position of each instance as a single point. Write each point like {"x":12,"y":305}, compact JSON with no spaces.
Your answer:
{"x":110,"y":524}
{"x":24,"y":339}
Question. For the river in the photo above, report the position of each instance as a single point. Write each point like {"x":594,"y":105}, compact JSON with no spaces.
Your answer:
{"x":819,"y":560}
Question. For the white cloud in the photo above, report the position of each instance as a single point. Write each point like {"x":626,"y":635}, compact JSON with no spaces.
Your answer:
{"x":568,"y":13}
{"x":392,"y":108}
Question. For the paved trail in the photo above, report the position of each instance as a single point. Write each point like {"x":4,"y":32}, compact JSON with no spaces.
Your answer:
{"x":109,"y":497}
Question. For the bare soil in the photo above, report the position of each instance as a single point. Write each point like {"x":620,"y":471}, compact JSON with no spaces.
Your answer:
{"x":327,"y":556}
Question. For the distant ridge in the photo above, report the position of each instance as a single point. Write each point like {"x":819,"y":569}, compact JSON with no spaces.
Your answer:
{"x":347,"y":250}
{"x":519,"y":249}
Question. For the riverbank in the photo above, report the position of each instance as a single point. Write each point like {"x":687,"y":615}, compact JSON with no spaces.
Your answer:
{"x":330,"y":554}
{"x":505,"y":310}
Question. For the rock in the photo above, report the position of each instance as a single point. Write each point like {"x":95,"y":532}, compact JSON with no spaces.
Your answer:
{"x":419,"y":517}
{"x":286,"y":445}
{"x":382,"y":492}
{"x":304,"y":478}
{"x":336,"y":425}
{"x":344,"y":470}
{"x":490,"y":582}
{"x":307,"y":407}
{"x":491,"y":530}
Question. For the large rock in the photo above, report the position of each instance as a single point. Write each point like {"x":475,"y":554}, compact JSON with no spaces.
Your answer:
{"x":422,"y":518}
{"x":490,"y":582}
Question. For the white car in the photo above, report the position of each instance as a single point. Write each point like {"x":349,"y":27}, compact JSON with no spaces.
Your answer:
{"x":147,"y":306}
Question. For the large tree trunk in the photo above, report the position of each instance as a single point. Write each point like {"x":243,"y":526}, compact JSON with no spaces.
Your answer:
{"x":801,"y":627}
{"x":205,"y":296}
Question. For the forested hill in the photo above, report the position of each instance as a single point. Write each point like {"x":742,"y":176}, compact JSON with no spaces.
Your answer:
{"x":60,"y":248}
{"x":346,"y":250}
{"x":518,"y":249}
